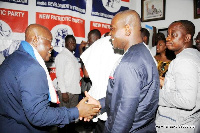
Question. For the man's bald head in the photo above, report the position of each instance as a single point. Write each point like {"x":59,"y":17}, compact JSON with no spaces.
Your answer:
{"x":36,"y":30}
{"x":40,"y":38}
{"x":129,"y":17}
{"x":125,"y":29}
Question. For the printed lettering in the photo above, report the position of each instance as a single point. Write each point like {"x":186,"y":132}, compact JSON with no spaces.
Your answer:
{"x":15,"y":14}
{"x":2,"y":12}
{"x":96,"y":24}
{"x":105,"y":26}
{"x":77,"y":20}
{"x":44,"y":16}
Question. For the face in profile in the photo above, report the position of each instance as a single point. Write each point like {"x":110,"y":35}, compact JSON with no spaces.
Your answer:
{"x":91,"y":38}
{"x":44,"y":47}
{"x":161,"y":46}
{"x":117,"y":33}
{"x":176,"y":38}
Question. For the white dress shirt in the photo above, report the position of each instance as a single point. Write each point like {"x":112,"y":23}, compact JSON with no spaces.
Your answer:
{"x":179,"y":99}
{"x":68,"y":72}
{"x":99,"y":60}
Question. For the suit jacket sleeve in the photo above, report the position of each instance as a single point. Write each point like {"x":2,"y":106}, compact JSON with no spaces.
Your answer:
{"x":34,"y":96}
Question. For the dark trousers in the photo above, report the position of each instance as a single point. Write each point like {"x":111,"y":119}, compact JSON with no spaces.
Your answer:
{"x":69,"y":128}
{"x":99,"y":128}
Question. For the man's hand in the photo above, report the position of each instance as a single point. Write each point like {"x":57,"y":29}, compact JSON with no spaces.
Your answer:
{"x":91,"y":100}
{"x":87,"y":110}
{"x":65,"y":97}
{"x":82,"y":45}
{"x":161,"y":82}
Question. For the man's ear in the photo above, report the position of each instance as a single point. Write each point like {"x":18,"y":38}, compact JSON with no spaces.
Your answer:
{"x":34,"y":41}
{"x":144,"y":38}
{"x":188,"y":38}
{"x":127,"y":30}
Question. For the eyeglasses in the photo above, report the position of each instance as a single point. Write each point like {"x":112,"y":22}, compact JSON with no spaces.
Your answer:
{"x":45,"y":38}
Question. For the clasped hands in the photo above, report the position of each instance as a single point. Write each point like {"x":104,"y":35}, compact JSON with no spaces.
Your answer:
{"x":88,"y":107}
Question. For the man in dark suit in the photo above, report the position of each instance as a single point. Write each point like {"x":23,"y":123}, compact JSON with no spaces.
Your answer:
{"x":133,"y":88}
{"x":25,"y":86}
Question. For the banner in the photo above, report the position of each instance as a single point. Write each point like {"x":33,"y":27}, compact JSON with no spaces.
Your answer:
{"x":60,"y":26}
{"x":107,"y":8}
{"x":25,"y":2}
{"x":12,"y":24}
{"x":74,"y":5}
{"x":102,"y":27}
{"x":61,"y":17}
{"x":17,"y":20}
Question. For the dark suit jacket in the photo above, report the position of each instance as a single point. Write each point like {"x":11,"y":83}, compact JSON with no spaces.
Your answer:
{"x":132,"y":95}
{"x":24,"y":105}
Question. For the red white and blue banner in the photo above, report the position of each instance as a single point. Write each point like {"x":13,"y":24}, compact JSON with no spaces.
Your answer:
{"x":74,"y":5}
{"x":25,"y":2}
{"x":61,"y":17}
{"x":107,"y":8}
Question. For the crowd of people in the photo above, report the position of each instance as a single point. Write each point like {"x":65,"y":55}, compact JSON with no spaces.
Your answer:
{"x":136,"y":92}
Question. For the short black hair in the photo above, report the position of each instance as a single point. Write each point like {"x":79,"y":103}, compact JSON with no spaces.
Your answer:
{"x":106,"y":34}
{"x":145,"y":32}
{"x":159,"y":36}
{"x":187,"y":25}
{"x":68,"y":37}
{"x":96,"y":32}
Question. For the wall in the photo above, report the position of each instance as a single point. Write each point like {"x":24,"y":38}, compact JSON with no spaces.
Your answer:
{"x":61,"y":17}
{"x":175,"y":10}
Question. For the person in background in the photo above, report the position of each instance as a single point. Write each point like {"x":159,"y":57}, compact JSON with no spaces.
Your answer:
{"x":145,"y":36}
{"x":68,"y":77}
{"x":164,"y":56}
{"x":197,"y":40}
{"x":99,"y":66}
{"x":93,"y":36}
{"x":179,"y":98}
{"x":86,"y":82}
{"x":27,"y":90}
{"x":157,"y":37}
{"x":132,"y":94}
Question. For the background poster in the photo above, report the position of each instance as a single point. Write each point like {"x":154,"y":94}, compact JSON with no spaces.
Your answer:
{"x":107,"y":8}
{"x":61,"y":17}
{"x":12,"y":24}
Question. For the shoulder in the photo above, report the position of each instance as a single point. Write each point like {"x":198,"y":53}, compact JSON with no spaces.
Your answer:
{"x":188,"y":55}
{"x":61,"y":55}
{"x":21,"y":62}
{"x":137,"y":55}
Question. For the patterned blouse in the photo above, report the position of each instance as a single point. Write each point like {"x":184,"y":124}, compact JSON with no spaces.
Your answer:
{"x":162,"y":67}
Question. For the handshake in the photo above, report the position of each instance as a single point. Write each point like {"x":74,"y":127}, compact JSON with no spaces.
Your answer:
{"x":88,"y":107}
